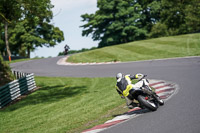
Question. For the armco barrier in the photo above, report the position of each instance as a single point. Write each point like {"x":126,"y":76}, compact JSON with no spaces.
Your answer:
{"x":16,"y":88}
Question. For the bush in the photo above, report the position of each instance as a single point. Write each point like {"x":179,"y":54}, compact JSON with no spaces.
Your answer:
{"x":158,"y":30}
{"x":5,"y":72}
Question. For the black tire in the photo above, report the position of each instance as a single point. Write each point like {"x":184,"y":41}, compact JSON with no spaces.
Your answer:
{"x":147,"y":104}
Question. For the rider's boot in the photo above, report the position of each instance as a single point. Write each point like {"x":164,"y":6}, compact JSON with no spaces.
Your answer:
{"x":133,"y":105}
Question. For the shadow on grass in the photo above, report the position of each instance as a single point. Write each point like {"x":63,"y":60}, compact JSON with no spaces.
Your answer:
{"x":48,"y":94}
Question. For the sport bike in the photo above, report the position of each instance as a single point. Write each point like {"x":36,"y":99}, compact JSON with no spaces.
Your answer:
{"x":144,"y":94}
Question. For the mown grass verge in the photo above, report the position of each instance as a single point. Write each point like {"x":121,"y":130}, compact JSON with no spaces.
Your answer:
{"x":158,"y":48}
{"x":63,"y":105}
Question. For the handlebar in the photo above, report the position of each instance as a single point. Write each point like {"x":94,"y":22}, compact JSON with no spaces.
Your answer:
{"x":143,"y":77}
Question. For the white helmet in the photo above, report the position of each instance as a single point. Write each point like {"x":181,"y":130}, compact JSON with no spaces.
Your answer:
{"x":119,"y":76}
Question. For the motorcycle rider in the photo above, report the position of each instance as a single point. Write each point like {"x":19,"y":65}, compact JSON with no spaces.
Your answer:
{"x":125,"y":88}
{"x":66,"y":49}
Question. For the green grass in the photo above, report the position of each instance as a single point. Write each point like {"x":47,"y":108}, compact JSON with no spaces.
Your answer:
{"x":158,"y":48}
{"x":63,"y":105}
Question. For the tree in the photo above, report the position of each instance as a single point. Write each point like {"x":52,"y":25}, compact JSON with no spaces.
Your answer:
{"x":115,"y":22}
{"x":2,"y":45}
{"x":39,"y":32}
{"x":26,"y":38}
{"x":177,"y":14}
{"x":151,"y":12}
{"x":192,"y":16}
{"x":33,"y":28}
{"x":9,"y":12}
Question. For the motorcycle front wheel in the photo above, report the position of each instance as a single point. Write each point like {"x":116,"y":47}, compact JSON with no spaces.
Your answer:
{"x":147,"y":103}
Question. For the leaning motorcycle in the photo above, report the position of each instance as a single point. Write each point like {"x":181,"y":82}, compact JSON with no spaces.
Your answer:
{"x":146,"y":97}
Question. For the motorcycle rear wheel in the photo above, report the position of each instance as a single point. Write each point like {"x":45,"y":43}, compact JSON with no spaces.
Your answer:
{"x":146,"y":103}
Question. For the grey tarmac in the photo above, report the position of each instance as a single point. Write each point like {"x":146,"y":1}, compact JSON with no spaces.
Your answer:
{"x":180,"y":114}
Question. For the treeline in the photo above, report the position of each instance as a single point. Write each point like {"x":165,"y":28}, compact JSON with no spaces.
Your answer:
{"x":26,"y":25}
{"x":121,"y":21}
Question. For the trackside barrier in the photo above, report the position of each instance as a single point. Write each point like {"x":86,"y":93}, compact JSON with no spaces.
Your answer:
{"x":16,"y":88}
{"x":19,"y":75}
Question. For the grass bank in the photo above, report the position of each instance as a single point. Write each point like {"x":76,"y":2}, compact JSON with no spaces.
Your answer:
{"x":158,"y":48}
{"x":63,"y":105}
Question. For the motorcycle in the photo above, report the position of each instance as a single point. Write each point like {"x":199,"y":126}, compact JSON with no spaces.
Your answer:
{"x":146,"y":97}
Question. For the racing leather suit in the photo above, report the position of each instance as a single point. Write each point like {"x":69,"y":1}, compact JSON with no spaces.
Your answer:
{"x":124,"y":87}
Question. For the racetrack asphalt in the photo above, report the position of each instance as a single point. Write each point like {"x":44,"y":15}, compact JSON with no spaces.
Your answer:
{"x":180,"y":114}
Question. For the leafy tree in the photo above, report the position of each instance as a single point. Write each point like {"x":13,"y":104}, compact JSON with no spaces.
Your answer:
{"x":26,"y":39}
{"x":9,"y":13}
{"x":181,"y":16}
{"x":116,"y":21}
{"x":192,"y":16}
{"x":42,"y":33}
{"x":151,"y":12}
{"x":33,"y":29}
{"x":2,"y":45}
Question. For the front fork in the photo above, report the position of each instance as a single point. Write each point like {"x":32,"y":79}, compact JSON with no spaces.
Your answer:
{"x":149,"y":91}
